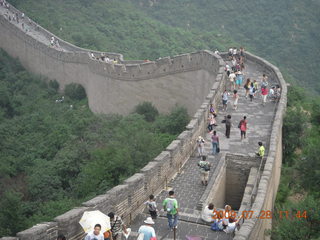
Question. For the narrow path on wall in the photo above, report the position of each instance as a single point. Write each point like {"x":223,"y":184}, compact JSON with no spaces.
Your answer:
{"x":28,"y":26}
{"x":187,"y":185}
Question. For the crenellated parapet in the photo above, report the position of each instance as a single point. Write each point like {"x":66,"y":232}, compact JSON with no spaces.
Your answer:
{"x":194,"y":80}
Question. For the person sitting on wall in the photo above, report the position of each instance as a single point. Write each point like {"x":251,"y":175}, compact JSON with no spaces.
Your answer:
{"x":209,"y":213}
{"x":52,"y":40}
{"x":230,"y":226}
{"x":261,"y":151}
{"x":229,"y":214}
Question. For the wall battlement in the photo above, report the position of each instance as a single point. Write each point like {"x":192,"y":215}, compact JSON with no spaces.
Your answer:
{"x":194,"y":79}
{"x":125,"y":70}
{"x":165,"y":82}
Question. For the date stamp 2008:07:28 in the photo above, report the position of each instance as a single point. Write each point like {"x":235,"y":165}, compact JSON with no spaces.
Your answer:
{"x":282,"y":214}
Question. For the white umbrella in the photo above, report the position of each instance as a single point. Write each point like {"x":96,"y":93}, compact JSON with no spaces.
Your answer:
{"x":91,"y":218}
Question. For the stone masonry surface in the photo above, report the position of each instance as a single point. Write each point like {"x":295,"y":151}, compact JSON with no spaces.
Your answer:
{"x":202,"y":68}
{"x":187,"y":184}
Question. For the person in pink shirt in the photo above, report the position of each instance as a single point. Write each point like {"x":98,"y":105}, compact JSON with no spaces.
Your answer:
{"x":215,"y":143}
{"x":243,"y":127}
{"x":264,"y":93}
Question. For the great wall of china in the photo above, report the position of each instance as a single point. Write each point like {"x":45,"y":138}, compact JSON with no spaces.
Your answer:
{"x":194,"y":80}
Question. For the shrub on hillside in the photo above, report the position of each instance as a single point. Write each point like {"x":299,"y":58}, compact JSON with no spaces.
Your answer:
{"x":175,"y":122}
{"x":54,"y":85}
{"x":75,"y":91}
{"x":147,"y":110}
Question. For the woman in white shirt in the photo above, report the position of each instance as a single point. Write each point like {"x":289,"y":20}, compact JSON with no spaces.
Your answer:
{"x":209,"y":213}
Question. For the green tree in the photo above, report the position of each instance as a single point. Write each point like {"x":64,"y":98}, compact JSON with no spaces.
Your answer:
{"x":302,"y":222}
{"x":293,"y":129}
{"x":146,"y":109}
{"x":12,"y":218}
{"x":75,"y":91}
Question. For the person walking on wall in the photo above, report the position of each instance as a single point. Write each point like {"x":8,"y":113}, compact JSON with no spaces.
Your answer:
{"x":212,"y":110}
{"x":243,"y":127}
{"x":147,"y":230}
{"x":261,"y":150}
{"x":200,"y":145}
{"x":204,"y":170}
{"x":264,"y":81}
{"x":152,"y":206}
{"x":235,"y":99}
{"x":247,"y":87}
{"x":215,"y":143}
{"x":251,"y":91}
{"x":232,"y":80}
{"x":239,"y":79}
{"x":256,"y":87}
{"x":264,"y":93}
{"x":170,"y":205}
{"x":117,"y":226}
{"x":211,"y":122}
{"x":96,"y":234}
{"x":228,"y":126}
{"x":225,"y":98}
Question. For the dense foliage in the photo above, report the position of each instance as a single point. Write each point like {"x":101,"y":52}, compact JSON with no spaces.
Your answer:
{"x":116,"y":26}
{"x":284,"y":32}
{"x":299,"y":187}
{"x":54,"y":155}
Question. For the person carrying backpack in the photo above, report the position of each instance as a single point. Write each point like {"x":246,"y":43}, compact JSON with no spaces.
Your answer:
{"x":205,"y":169}
{"x":152,"y":207}
{"x":170,"y":205}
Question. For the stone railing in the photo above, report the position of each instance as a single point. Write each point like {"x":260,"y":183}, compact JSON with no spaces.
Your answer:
{"x":127,"y":199}
{"x":125,"y":70}
{"x":254,"y":227}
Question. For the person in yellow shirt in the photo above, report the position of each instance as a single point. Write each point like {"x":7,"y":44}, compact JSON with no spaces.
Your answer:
{"x":261,"y":150}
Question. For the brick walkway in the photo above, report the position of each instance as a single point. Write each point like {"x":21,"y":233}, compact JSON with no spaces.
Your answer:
{"x":187,"y":185}
{"x":29,"y":28}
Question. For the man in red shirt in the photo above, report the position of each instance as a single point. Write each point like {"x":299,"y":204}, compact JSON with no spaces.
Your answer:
{"x":243,"y":127}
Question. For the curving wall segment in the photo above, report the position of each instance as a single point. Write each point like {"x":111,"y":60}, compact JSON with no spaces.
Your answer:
{"x":113,"y":88}
{"x":267,"y":186}
{"x":194,"y":79}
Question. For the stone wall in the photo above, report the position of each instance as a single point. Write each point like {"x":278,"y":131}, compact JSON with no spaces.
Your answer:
{"x":249,"y":191}
{"x":217,"y":190}
{"x":127,"y":199}
{"x":183,"y":79}
{"x":229,"y":180}
{"x":255,"y":228}
{"x":115,"y":88}
{"x":237,"y":174}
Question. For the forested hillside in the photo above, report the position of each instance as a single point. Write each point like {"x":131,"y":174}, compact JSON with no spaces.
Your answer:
{"x":284,"y":32}
{"x":299,"y":190}
{"x":55,"y":153}
{"x":115,"y":26}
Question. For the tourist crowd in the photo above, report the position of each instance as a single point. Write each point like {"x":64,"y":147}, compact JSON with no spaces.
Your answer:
{"x":221,"y":220}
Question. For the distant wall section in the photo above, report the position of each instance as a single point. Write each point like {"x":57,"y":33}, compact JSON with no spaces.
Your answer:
{"x":116,"y":88}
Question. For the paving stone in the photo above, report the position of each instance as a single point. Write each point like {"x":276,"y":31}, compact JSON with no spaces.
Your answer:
{"x":187,"y":185}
